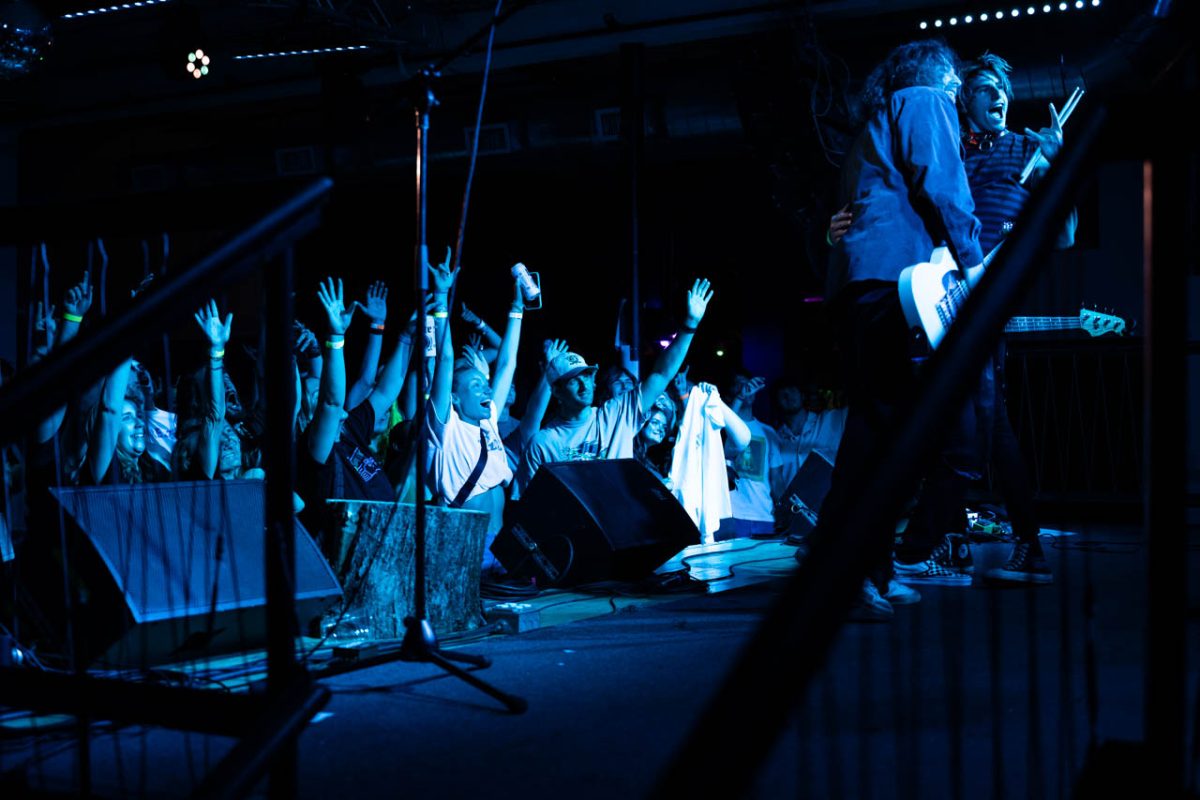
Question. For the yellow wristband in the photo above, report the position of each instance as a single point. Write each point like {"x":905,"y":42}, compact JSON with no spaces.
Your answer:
{"x":72,"y":317}
{"x":216,"y":353}
{"x":335,"y":345}
{"x":440,"y":314}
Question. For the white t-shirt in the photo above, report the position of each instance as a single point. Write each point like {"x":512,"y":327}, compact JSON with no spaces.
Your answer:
{"x":454,"y":450}
{"x":605,"y":432}
{"x":698,"y":476}
{"x":752,"y":500}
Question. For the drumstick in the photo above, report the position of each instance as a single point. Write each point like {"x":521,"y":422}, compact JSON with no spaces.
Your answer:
{"x":1068,"y":109}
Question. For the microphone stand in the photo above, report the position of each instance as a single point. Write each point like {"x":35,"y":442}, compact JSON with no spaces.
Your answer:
{"x":420,"y":642}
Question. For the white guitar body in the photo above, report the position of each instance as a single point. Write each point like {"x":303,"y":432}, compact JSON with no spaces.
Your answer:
{"x":932,"y":293}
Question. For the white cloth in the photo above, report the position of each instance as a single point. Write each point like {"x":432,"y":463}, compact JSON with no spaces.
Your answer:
{"x":454,"y":451}
{"x":819,"y":432}
{"x":698,"y":477}
{"x":752,"y":500}
{"x":605,"y":432}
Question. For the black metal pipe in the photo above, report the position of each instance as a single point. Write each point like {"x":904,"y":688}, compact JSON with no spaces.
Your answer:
{"x":61,"y":376}
{"x":283,"y":670}
{"x":277,"y":730}
{"x":124,"y":701}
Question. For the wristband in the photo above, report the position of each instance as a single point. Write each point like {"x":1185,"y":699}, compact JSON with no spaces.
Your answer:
{"x":71,"y":317}
{"x":828,"y":238}
{"x":441,"y":314}
{"x":516,"y":315}
{"x":338,"y":345}
{"x":216,"y":354}
{"x":377,"y":326}
{"x":376,"y":331}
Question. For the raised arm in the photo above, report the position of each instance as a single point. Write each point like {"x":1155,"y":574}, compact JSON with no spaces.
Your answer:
{"x":376,"y":311}
{"x":491,"y":339}
{"x":102,"y":443}
{"x":391,"y":381}
{"x":737,"y":433}
{"x":672,"y":358}
{"x":629,"y":361}
{"x":442,"y":279}
{"x":217,"y":334}
{"x":323,"y":432}
{"x":539,"y":400}
{"x":506,"y":362}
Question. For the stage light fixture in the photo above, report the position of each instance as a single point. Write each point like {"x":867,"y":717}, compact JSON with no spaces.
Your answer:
{"x":954,"y":20}
{"x":1079,"y":3}
{"x":968,"y":19}
{"x":924,"y":25}
{"x":720,"y":354}
{"x":1031,"y":11}
{"x":308,"y":52}
{"x":197,"y":63}
{"x":983,"y":17}
{"x":91,"y":12}
{"x":937,"y":23}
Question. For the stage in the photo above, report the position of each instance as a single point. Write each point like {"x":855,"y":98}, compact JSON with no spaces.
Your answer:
{"x":972,"y":692}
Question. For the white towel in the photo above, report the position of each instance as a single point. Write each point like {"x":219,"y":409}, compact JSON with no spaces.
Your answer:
{"x":698,"y":476}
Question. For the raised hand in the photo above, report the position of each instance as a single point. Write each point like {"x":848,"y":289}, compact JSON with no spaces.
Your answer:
{"x":441,"y":276}
{"x":839,"y":223}
{"x":470,"y":317}
{"x":216,"y":331}
{"x":306,"y":345}
{"x":475,"y":359}
{"x":552,"y":349}
{"x":697,"y":301}
{"x":376,"y":306}
{"x":79,"y":298}
{"x":708,"y":388}
{"x":748,"y":389}
{"x":681,"y":382}
{"x":332,"y":300}
{"x":44,"y":322}
{"x":475,"y":342}
{"x":1049,"y":139}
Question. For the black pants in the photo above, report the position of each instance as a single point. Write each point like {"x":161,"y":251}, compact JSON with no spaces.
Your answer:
{"x":1008,"y":468}
{"x":880,"y":379}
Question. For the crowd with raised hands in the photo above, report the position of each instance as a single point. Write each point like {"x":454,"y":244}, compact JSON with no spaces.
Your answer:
{"x":356,"y":440}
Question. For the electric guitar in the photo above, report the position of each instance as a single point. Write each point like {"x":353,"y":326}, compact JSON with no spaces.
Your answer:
{"x":1094,"y":322}
{"x":932,"y":292}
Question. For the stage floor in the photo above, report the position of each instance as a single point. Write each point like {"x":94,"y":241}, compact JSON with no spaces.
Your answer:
{"x":972,"y":692}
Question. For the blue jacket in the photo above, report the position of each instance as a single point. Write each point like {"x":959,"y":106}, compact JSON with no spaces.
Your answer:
{"x":907,"y":188}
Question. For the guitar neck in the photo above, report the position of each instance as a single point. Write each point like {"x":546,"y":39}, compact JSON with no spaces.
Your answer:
{"x":1033,"y":324}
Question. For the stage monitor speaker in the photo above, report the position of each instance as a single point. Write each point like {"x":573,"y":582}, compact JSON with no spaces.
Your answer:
{"x":168,"y":571}
{"x":802,"y":500}
{"x":585,"y":521}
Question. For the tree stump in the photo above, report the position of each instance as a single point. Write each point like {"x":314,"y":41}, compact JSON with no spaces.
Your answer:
{"x":378,"y":571}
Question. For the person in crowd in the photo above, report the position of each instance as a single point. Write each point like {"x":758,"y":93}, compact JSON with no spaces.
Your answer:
{"x":208,"y":446}
{"x":468,"y":464}
{"x":751,"y":499}
{"x":810,"y":421}
{"x":341,"y":463}
{"x":585,"y":432}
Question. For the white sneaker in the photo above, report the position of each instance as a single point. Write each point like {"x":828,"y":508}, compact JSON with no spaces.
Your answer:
{"x":900,"y":595}
{"x":871,"y":606}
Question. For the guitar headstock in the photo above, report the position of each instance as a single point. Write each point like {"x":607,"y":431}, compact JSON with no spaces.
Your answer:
{"x":1097,"y":323}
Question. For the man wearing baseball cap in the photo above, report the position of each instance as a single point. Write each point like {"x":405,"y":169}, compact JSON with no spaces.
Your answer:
{"x":583,"y":432}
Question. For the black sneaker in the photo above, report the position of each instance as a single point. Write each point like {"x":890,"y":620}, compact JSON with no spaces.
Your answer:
{"x":954,"y":553}
{"x":1025,"y":565}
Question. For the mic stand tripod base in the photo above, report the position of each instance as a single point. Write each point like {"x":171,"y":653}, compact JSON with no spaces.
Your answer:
{"x":420,"y":644}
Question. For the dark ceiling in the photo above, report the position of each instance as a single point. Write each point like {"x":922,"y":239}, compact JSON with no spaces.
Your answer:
{"x":130,"y":60}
